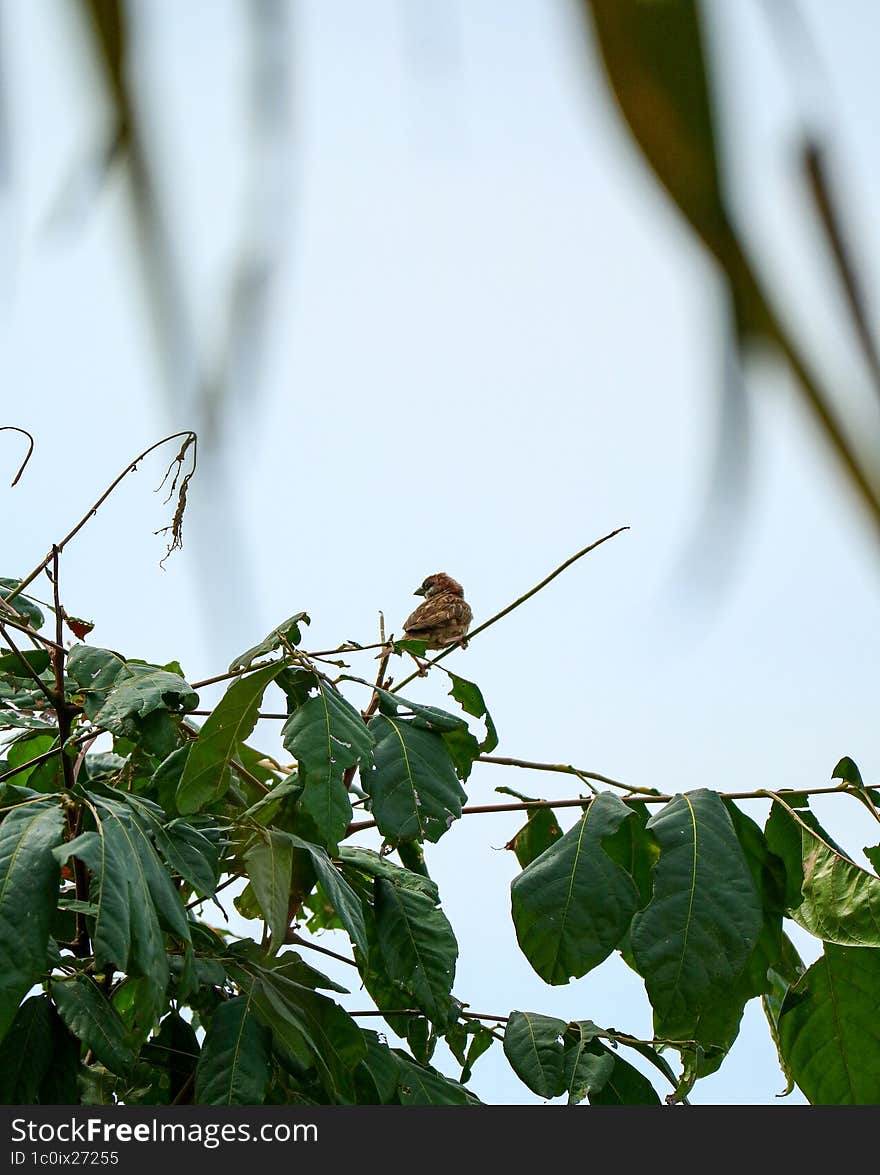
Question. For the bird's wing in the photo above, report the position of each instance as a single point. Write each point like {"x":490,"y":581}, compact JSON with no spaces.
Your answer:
{"x":438,"y":612}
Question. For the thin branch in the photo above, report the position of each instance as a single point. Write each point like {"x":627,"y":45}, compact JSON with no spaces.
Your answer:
{"x":37,"y":759}
{"x":24,"y":433}
{"x":130,"y":468}
{"x":35,"y":636}
{"x":27,"y":665}
{"x":585,"y":801}
{"x":344,"y":648}
{"x":564,"y":769}
{"x":296,"y":940}
{"x":510,"y":607}
{"x":198,"y":901}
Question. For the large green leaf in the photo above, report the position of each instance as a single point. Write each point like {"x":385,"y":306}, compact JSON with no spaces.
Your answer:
{"x":694,"y":938}
{"x":461,"y":745}
{"x":827,"y":893}
{"x":829,"y":1036}
{"x":112,"y":891}
{"x":534,"y":1047}
{"x":233,"y":1067}
{"x":119,"y":695}
{"x":89,"y":1015}
{"x":307,"y":1027}
{"x":340,"y":894}
{"x":573,"y":905}
{"x":26,"y":1053}
{"x":11,"y":663}
{"x":718,"y":1024}
{"x":28,"y":892}
{"x":418,"y":946}
{"x":420,"y":1085}
{"x":355,"y":860}
{"x":269,"y":863}
{"x":594,"y":1071}
{"x":411,"y":781}
{"x":326,"y":734}
{"x":206,"y":776}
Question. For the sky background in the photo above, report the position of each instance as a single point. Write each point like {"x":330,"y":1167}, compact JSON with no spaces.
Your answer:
{"x":492,"y":341}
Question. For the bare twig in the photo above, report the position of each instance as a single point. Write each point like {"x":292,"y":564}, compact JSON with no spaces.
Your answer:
{"x":510,"y":607}
{"x":27,"y":457}
{"x":93,"y":509}
{"x":294,"y":938}
{"x":564,"y":769}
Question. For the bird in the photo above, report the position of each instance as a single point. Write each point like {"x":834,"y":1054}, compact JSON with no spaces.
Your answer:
{"x":445,"y":616}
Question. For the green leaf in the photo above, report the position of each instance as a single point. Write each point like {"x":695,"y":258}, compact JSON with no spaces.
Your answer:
{"x":90,"y":1017}
{"x":418,"y":946}
{"x":286,"y":633}
{"x":337,"y":890}
{"x":694,"y":938}
{"x":269,"y":862}
{"x":118,"y":693}
{"x":540,"y":831}
{"x":23,"y":605}
{"x":848,"y":772}
{"x":174,"y":1049}
{"x":306,"y":1026}
{"x":359,"y":860}
{"x":469,"y":697}
{"x":190,"y":854}
{"x":206,"y":776}
{"x":828,"y":1030}
{"x":11,"y":666}
{"x":595,"y":1071}
{"x":59,"y":1085}
{"x":718,"y":1024}
{"x":534,"y":1047}
{"x":827,"y":893}
{"x":29,"y":876}
{"x":112,"y":891}
{"x":572,"y":906}
{"x":233,"y":1068}
{"x":419,"y":1085}
{"x":588,"y":1065}
{"x":25,"y":748}
{"x":382,"y":1070}
{"x":411,"y":781}
{"x":26,"y":1053}
{"x":654,"y":60}
{"x":326,"y":734}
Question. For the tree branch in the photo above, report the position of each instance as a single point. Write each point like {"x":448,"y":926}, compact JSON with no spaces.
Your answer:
{"x":59,"y":547}
{"x":510,"y":607}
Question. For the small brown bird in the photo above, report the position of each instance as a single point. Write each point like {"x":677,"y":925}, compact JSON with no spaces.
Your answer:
{"x":445,"y":616}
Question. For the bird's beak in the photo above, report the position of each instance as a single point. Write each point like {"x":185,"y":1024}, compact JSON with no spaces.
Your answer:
{"x":420,"y":591}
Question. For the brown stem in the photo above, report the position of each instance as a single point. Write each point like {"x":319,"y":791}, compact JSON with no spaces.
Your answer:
{"x":585,"y":801}
{"x":35,"y":636}
{"x":565,"y":769}
{"x":293,"y":937}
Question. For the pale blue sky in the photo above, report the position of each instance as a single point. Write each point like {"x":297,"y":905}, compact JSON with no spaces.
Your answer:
{"x":494,"y":342}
